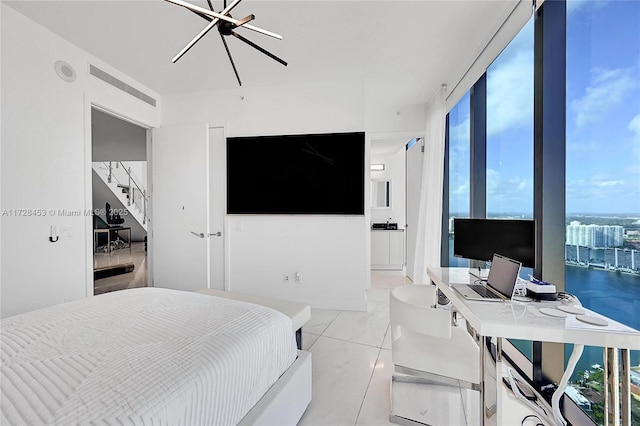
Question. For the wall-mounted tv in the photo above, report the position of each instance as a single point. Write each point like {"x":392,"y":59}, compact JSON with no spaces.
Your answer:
{"x":479,"y":239}
{"x":296,"y":174}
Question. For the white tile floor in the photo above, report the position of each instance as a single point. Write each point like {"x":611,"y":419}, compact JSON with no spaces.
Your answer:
{"x":347,"y":349}
{"x":136,"y":278}
{"x":352,"y":365}
{"x":352,"y":369}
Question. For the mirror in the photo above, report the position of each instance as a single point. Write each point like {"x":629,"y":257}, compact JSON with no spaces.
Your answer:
{"x":380,"y":194}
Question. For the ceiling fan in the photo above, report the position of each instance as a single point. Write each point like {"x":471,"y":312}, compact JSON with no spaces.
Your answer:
{"x":226,"y":27}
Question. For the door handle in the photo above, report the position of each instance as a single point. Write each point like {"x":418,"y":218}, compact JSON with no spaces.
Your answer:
{"x":217,"y":234}
{"x":201,"y":235}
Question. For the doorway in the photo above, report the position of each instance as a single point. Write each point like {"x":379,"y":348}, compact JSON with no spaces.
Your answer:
{"x":120,"y":213}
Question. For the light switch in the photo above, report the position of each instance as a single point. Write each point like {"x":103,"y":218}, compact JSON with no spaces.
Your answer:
{"x":67,"y":233}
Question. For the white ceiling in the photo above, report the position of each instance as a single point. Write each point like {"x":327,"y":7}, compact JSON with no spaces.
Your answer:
{"x":402,"y":51}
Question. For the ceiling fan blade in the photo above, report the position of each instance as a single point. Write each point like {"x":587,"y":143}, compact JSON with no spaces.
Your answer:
{"x":201,"y":10}
{"x":240,"y":23}
{"x":195,"y":40}
{"x":233,"y":4}
{"x":261,"y":31}
{"x":203,"y":16}
{"x":231,"y":59}
{"x":255,"y":46}
{"x":246,"y":19}
{"x":204,"y":11}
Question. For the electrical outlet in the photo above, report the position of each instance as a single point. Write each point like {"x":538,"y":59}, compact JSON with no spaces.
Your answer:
{"x":298,"y":277}
{"x":286,"y":279}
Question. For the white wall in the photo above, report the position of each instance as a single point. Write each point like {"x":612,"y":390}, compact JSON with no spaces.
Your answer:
{"x":395,"y":172}
{"x":116,"y":140}
{"x":328,"y":253}
{"x":46,"y":162}
{"x":331,"y":252}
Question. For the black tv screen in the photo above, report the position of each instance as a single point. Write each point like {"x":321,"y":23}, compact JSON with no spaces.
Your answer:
{"x":479,"y":239}
{"x":296,"y":174}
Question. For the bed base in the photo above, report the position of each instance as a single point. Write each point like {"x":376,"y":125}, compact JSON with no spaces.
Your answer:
{"x":288,"y":398}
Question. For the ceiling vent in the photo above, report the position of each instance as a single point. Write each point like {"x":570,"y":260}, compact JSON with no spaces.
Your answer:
{"x":108,"y":78}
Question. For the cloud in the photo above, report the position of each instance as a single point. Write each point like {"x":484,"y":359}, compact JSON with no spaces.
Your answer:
{"x":599,"y":193}
{"x":634,"y":153}
{"x":609,"y":183}
{"x":508,"y":195}
{"x":510,"y":91}
{"x":634,"y":125}
{"x":582,"y":146}
{"x":607,"y":89}
{"x":461,"y":188}
{"x":584,"y":5}
{"x":460,"y":131}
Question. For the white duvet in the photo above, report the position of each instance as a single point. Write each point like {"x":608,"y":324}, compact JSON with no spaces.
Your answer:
{"x":141,"y":356}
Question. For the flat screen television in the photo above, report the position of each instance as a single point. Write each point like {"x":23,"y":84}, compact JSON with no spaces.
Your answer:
{"x":296,"y":174}
{"x":479,"y":239}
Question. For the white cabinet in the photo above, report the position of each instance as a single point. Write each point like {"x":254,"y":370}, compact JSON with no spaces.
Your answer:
{"x":379,"y":248}
{"x":387,"y":249}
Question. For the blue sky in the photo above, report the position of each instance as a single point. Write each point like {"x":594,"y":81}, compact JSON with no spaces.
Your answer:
{"x":603,"y":117}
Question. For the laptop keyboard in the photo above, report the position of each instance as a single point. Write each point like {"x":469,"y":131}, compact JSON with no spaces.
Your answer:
{"x":482,"y":291}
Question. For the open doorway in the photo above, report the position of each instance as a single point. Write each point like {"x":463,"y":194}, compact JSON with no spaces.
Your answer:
{"x":120,"y":203}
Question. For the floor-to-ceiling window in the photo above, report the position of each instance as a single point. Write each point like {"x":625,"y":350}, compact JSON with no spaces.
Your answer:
{"x":510,"y":137}
{"x":459,"y":133}
{"x":602,"y":251}
{"x":602,"y":176}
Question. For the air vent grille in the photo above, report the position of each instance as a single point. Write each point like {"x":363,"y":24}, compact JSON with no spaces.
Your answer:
{"x":108,"y":78}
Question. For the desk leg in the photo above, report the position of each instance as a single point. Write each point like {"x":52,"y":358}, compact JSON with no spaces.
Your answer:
{"x":483,"y":382}
{"x":625,"y":360}
{"x":489,"y":394}
{"x":611,"y":386}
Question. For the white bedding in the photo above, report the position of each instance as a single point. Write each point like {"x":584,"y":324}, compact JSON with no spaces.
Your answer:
{"x":141,"y":356}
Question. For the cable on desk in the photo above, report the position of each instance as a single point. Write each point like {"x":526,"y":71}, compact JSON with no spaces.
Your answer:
{"x":532,"y":416}
{"x":555,"y":399}
{"x":568,"y":297}
{"x":541,"y":413}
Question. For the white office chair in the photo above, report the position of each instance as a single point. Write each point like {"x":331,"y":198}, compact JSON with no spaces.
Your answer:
{"x":426,"y":346}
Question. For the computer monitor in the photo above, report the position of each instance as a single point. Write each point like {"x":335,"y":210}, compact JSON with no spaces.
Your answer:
{"x":480,"y":239}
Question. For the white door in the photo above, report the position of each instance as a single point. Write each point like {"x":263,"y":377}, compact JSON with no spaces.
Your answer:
{"x":414,"y":182}
{"x":180,"y":173}
{"x":217,"y":191}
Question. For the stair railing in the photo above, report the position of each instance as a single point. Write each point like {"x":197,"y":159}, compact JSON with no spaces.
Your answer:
{"x":135,"y":194}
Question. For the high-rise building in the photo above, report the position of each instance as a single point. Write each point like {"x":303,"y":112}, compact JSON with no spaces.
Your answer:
{"x":594,"y":235}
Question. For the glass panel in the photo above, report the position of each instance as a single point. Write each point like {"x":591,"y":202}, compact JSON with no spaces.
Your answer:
{"x":603,"y":176}
{"x":510,"y":138}
{"x":510,"y":130}
{"x":459,"y":160}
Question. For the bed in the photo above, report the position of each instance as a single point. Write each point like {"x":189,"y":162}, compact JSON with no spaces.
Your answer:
{"x":152,"y":356}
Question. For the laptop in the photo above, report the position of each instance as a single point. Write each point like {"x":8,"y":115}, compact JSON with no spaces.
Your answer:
{"x":501,"y":282}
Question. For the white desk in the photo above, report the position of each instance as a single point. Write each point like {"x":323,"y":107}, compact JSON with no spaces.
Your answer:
{"x":518,"y":320}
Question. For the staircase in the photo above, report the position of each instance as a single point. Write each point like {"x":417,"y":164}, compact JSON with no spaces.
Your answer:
{"x":126,"y":186}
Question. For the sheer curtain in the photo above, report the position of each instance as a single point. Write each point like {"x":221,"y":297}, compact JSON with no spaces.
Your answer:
{"x":429,"y":226}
